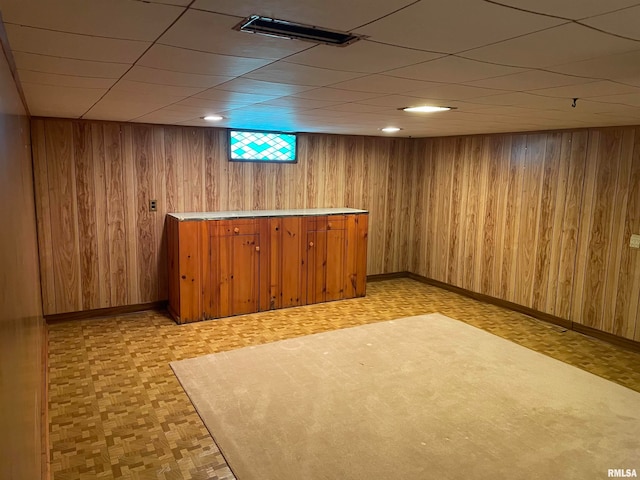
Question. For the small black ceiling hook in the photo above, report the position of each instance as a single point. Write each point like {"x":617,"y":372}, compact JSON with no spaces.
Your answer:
{"x":574,"y":102}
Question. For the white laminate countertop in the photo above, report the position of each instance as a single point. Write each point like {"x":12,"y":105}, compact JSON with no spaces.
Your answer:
{"x":296,"y":212}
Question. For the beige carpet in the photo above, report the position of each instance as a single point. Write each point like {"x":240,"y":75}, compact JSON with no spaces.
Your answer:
{"x":416,"y":398}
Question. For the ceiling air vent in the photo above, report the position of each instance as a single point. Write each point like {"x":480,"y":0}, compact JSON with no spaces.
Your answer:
{"x":298,"y":31}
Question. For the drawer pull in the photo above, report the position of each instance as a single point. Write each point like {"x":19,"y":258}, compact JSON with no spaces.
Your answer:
{"x":257,"y":248}
{"x":311,"y":244}
{"x":236,"y":230}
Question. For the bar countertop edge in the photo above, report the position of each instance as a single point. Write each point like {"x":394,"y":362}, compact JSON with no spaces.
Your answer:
{"x":231,"y":214}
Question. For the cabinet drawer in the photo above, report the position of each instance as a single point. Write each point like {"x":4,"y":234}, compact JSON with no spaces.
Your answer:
{"x":238,"y":227}
{"x":323,"y":223}
{"x":335,"y":222}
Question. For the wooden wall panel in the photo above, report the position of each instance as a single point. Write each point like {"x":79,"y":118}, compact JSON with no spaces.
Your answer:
{"x":22,"y":328}
{"x":95,"y":181}
{"x":540,"y":219}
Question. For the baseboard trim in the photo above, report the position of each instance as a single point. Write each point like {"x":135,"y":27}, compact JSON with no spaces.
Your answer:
{"x":546,"y":317}
{"x":386,"y":276}
{"x":105,"y":312}
{"x":44,"y":413}
{"x":607,"y":337}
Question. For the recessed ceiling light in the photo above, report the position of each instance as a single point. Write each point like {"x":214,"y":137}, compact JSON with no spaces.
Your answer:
{"x":212,"y":118}
{"x":391,"y":129}
{"x":426,"y":109}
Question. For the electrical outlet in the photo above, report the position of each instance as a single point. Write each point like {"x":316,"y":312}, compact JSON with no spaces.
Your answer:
{"x":153,"y":205}
{"x":635,"y":241}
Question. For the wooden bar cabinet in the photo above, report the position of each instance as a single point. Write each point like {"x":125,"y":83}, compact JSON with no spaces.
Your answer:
{"x":232,"y":263}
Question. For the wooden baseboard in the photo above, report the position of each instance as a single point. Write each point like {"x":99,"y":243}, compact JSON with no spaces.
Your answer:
{"x":44,"y":407}
{"x":546,"y":317}
{"x":106,"y":312}
{"x":386,"y":276}
{"x":607,"y":337}
{"x":496,"y":301}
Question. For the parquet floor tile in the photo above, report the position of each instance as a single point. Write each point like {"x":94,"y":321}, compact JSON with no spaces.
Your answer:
{"x":117,"y":411}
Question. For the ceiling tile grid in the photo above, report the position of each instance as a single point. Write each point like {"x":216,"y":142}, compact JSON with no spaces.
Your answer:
{"x":505,"y":65}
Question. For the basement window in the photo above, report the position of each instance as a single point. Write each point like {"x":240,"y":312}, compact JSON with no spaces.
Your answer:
{"x":266,"y":147}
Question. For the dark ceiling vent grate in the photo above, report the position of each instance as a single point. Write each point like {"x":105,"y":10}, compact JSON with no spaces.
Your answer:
{"x":298,"y":31}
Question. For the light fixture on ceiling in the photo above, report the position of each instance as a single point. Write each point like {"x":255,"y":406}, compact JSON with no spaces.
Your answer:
{"x":426,"y":109}
{"x":390,"y":129}
{"x":274,"y":27}
{"x":212,"y":118}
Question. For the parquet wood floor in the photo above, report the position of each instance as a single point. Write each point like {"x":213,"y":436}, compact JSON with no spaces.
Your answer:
{"x":117,"y":411}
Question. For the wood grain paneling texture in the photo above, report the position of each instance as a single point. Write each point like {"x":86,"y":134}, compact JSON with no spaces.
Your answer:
{"x":101,"y":245}
{"x":542,"y":220}
{"x":23,"y":452}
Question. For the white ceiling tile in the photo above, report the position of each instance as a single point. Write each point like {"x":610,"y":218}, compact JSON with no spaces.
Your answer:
{"x":632,"y":99}
{"x":247,"y":85}
{"x":164,"y":116}
{"x":146,"y":88}
{"x":592,"y":106}
{"x":335,"y":95}
{"x":293,"y":103}
{"x":212,"y":106}
{"x":550,"y":47}
{"x":573,"y":9}
{"x":586,"y":90}
{"x":55,"y":80}
{"x":615,"y":119}
{"x":520,"y":99}
{"x":234,"y":97}
{"x":384,"y":84}
{"x":283,"y":72}
{"x":80,"y":47}
{"x":182,"y":3}
{"x":454,"y":70}
{"x":45,"y":100}
{"x":394,"y":101}
{"x":124,"y":108}
{"x":214,"y":33}
{"x":122,"y":19}
{"x":66,"y":66}
{"x":629,"y":81}
{"x":611,"y":67}
{"x":334,"y":14}
{"x":452,"y":26}
{"x":623,"y":22}
{"x":363,"y":56}
{"x":188,"y":61}
{"x":529,"y":80}
{"x":356,"y":108}
{"x":177,"y":79}
{"x":189,"y":111}
{"x":454,"y":92}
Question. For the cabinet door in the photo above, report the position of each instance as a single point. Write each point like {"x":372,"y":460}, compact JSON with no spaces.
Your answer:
{"x":238,"y":274}
{"x":356,"y":233}
{"x":316,"y":266}
{"x":287,"y":246}
{"x":334,"y":265}
{"x":185,"y":270}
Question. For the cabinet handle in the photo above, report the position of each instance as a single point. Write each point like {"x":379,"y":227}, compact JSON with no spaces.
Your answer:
{"x":257,"y":248}
{"x":236,"y":230}
{"x":311,"y":244}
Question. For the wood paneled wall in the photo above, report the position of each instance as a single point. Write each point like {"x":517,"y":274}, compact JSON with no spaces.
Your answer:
{"x":542,"y":220}
{"x":22,"y":329}
{"x":100,"y":245}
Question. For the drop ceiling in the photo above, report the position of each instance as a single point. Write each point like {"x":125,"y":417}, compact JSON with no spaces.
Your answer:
{"x":506,"y":65}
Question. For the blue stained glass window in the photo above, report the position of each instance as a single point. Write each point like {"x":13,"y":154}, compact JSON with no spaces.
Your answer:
{"x":250,"y":146}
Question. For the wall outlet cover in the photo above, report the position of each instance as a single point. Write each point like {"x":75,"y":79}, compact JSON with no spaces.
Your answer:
{"x":635,"y":241}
